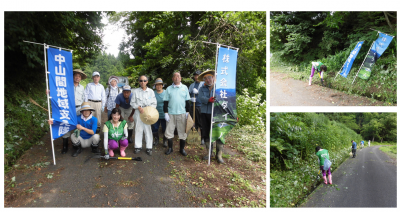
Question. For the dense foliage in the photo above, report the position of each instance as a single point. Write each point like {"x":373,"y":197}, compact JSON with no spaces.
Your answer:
{"x":294,"y":136}
{"x":164,"y":42}
{"x":297,"y":38}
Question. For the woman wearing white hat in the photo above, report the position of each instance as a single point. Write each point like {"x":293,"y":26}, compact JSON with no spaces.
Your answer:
{"x":111,"y":93}
{"x":161,"y":120}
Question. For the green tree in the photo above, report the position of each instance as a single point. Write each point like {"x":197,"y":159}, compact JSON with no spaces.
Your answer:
{"x":163,"y":42}
{"x":80,"y":31}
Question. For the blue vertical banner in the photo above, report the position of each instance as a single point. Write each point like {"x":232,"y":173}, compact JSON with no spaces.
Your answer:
{"x":225,"y":113}
{"x":377,"y":49}
{"x":62,"y":95}
{"x":349,"y":62}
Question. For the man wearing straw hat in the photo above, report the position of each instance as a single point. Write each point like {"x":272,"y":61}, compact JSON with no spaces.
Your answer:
{"x":143,"y":97}
{"x":193,"y":91}
{"x":96,"y":96}
{"x":123,"y":102}
{"x":79,"y":92}
{"x":206,"y":98}
{"x":176,"y":109}
{"x":160,"y":92}
{"x":84,"y":136}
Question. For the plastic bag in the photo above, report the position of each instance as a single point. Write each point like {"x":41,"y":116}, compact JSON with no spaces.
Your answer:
{"x":327,"y":164}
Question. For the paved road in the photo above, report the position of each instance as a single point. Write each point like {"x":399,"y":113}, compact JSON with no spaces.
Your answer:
{"x":369,"y":180}
{"x":286,"y":91}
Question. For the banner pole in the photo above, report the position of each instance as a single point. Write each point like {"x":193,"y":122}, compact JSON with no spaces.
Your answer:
{"x":237,"y":49}
{"x":339,"y":71}
{"x":48,"y":102}
{"x":46,"y":45}
{"x":363,"y":62}
{"x":212,"y":107}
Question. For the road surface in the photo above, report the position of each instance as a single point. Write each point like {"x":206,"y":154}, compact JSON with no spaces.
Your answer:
{"x":286,"y":91}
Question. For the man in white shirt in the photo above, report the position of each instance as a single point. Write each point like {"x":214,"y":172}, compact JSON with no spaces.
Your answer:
{"x":96,"y":96}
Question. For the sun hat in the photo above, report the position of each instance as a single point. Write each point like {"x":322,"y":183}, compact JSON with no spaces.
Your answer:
{"x":189,"y":123}
{"x":113,"y":78}
{"x":95,"y":73}
{"x":149,"y":116}
{"x":201,"y":76}
{"x":86,"y":106}
{"x":126,"y":88}
{"x":81,"y":72}
{"x":159,"y":81}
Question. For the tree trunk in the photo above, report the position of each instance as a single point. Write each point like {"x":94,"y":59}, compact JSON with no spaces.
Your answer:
{"x":381,"y":140}
{"x":373,"y":138}
{"x":388,"y":21}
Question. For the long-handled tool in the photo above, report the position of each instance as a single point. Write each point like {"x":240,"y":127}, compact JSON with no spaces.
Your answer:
{"x":118,"y":158}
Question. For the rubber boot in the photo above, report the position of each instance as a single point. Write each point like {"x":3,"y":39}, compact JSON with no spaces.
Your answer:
{"x":65,"y":146}
{"x":122,"y":151}
{"x":130,"y":132}
{"x":95,"y":149}
{"x":322,"y":82}
{"x":170,"y":143}
{"x":149,"y":152}
{"x":330,"y":179}
{"x":165,"y":141}
{"x":207,"y":143}
{"x":220,"y":148}
{"x":182,"y":147}
{"x":309,"y":83}
{"x":324,"y":177}
{"x":111,"y":152}
{"x":156,"y":139}
{"x":78,"y":150}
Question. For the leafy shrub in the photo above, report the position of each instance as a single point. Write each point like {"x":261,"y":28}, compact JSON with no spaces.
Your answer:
{"x":251,"y":111}
{"x":24,"y":122}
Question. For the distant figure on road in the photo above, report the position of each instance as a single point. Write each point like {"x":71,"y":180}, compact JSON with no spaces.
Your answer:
{"x":362,"y":144}
{"x":323,"y":154}
{"x":320,"y":67}
{"x":369,"y":143}
{"x":353,"y":148}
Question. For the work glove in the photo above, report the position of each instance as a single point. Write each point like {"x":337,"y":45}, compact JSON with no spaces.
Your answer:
{"x":107,"y":156}
{"x":193,"y":99}
{"x":166,"y":117}
{"x":212,"y":99}
{"x":187,"y":113}
{"x":195,"y":91}
{"x":123,"y":138}
{"x":102,"y":109}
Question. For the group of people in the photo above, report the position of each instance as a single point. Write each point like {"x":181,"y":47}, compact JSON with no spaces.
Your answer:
{"x":174,"y":104}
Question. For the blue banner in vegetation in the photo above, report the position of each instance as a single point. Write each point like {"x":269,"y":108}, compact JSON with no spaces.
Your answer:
{"x":377,"y":49}
{"x":62,"y":95}
{"x":225,"y":113}
{"x":350,"y":60}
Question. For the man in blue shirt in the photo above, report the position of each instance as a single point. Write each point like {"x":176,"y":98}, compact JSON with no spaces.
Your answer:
{"x":353,"y":148}
{"x":85,"y":135}
{"x":193,"y":91}
{"x":176,"y":111}
{"x":122,"y":102}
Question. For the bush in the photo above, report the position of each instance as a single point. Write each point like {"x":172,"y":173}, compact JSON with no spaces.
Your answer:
{"x":24,"y":122}
{"x":251,"y":111}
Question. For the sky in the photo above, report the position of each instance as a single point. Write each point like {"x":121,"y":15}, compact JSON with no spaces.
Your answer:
{"x":113,"y":36}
